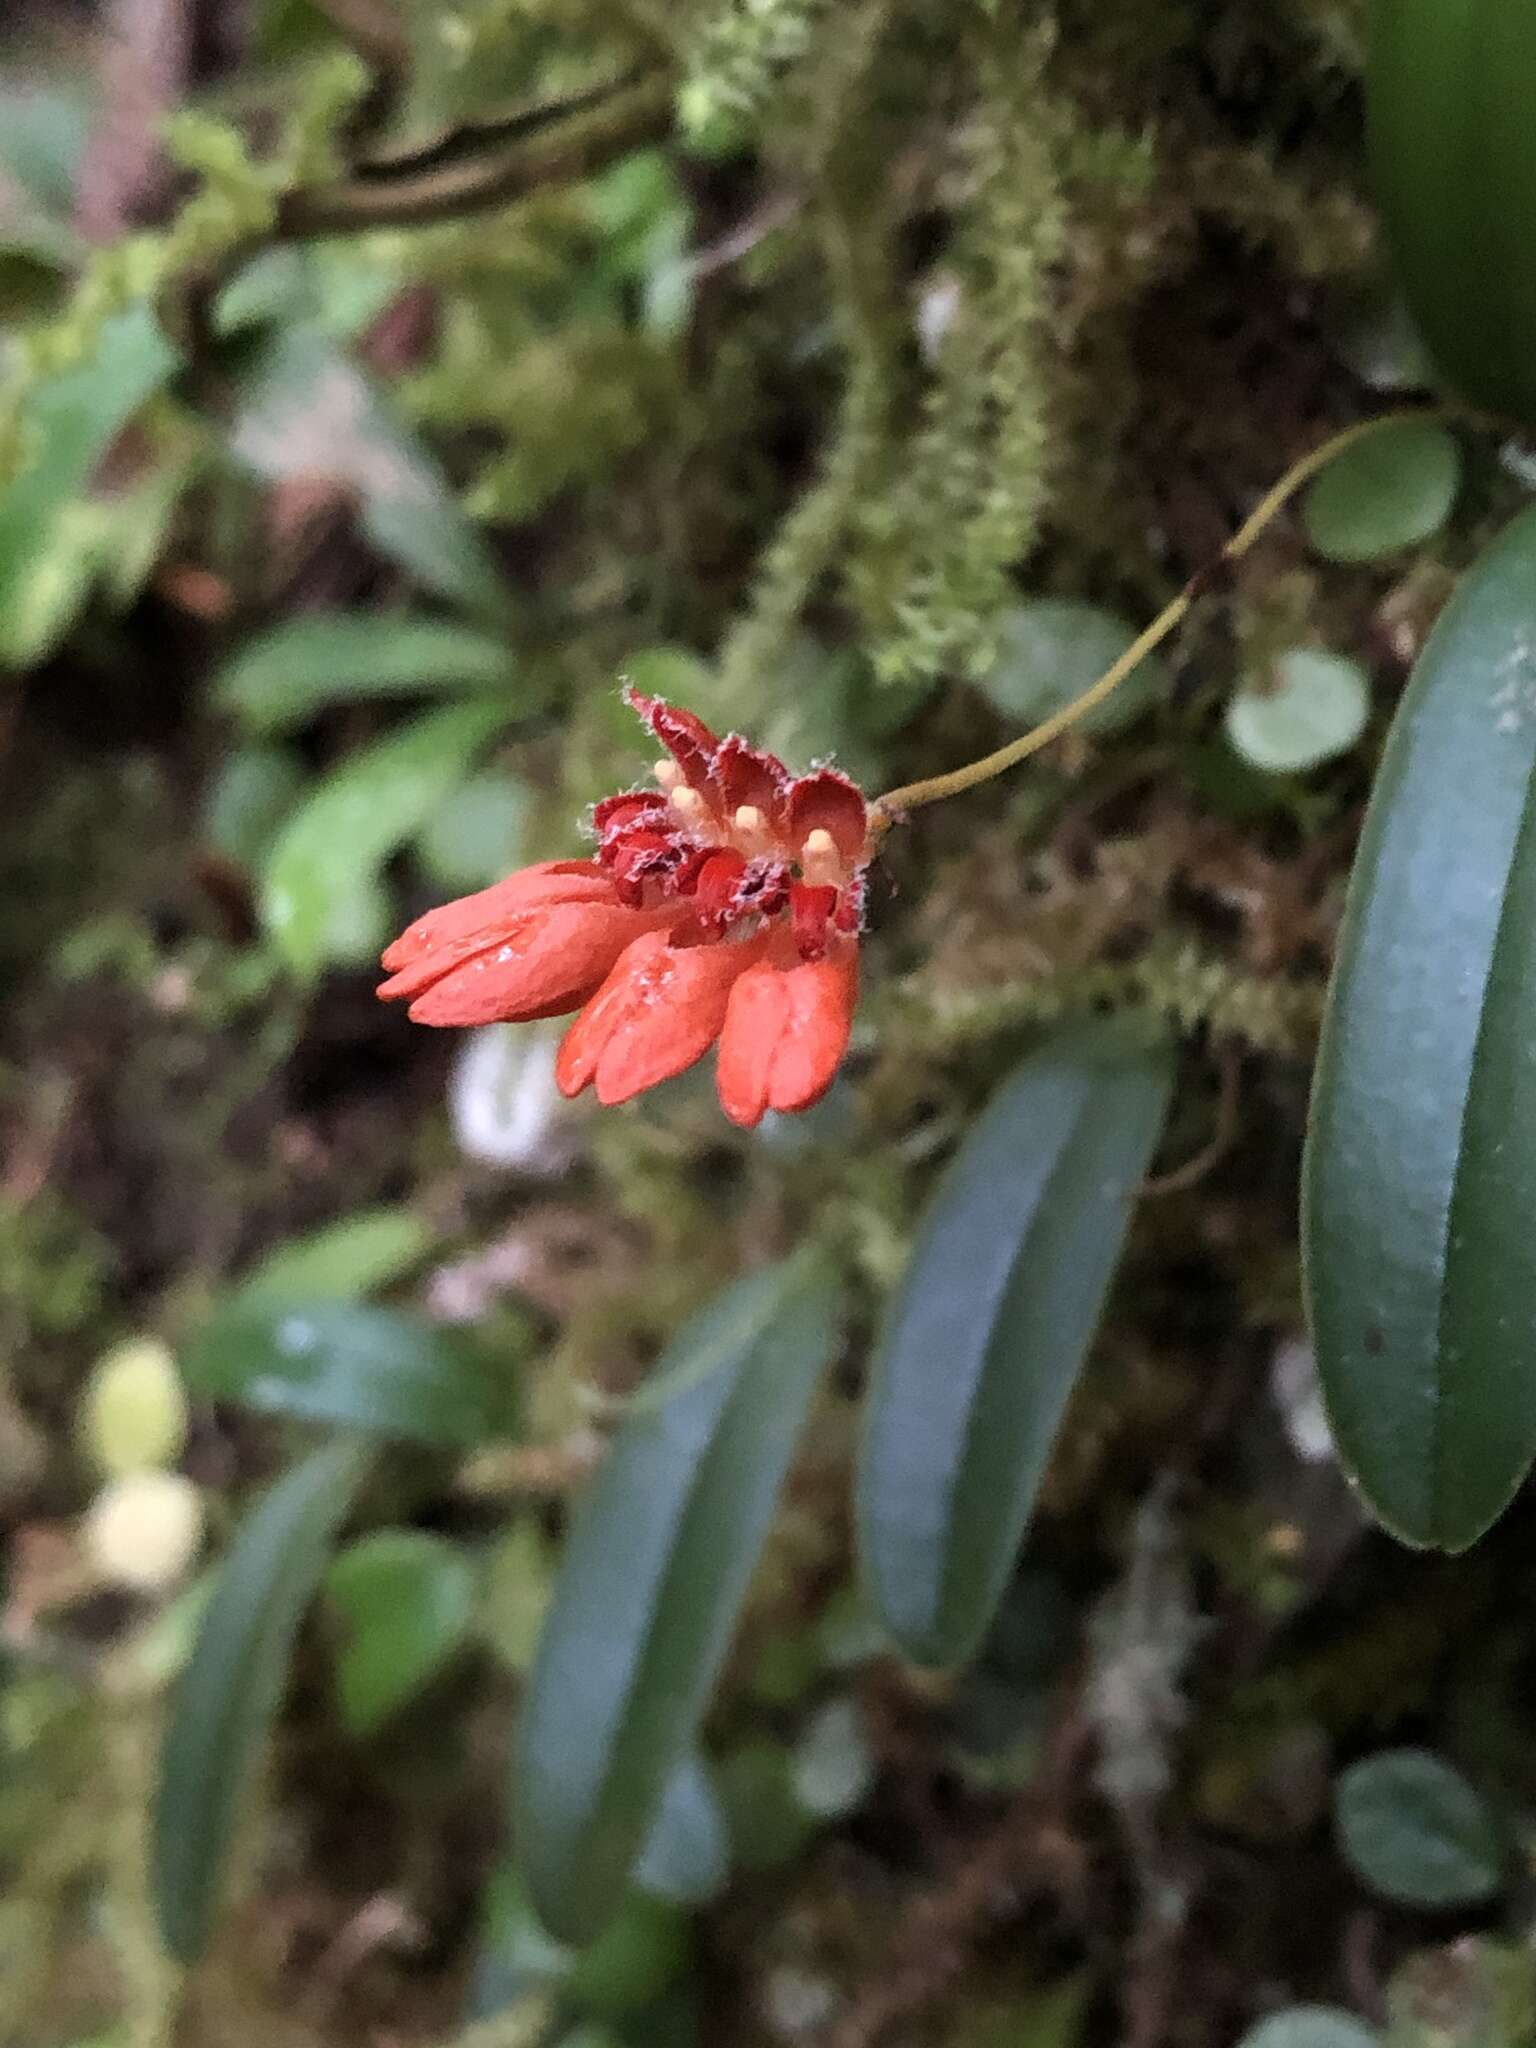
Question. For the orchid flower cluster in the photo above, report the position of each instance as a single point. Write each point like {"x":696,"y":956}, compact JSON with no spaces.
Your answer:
{"x":725,"y":903}
{"x":723,"y":908}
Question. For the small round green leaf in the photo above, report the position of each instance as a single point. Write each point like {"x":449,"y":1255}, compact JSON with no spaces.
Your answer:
{"x":336,"y":1361}
{"x":1313,"y":707}
{"x":1386,"y":492}
{"x":229,"y":1692}
{"x":1414,"y":1830}
{"x":406,"y":1599}
{"x":653,"y":1579}
{"x":1053,"y":649}
{"x":989,"y":1329}
{"x":1310,"y":2026}
{"x":1419,"y":1207}
{"x":768,"y":1826}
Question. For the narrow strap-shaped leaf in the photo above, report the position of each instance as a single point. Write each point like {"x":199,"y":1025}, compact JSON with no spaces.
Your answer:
{"x":1420,"y":1183}
{"x":230,"y":1690}
{"x":1453,"y":152}
{"x":336,"y":841}
{"x":308,"y":663}
{"x":989,"y":1328}
{"x":654,"y":1575}
{"x":341,"y":1261}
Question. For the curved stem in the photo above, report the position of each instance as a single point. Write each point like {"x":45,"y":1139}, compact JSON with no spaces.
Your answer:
{"x":897,"y":803}
{"x":588,"y":135}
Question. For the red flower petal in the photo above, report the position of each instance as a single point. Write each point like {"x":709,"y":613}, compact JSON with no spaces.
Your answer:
{"x":718,"y":885}
{"x":687,"y":739}
{"x":827,"y":801}
{"x":640,"y":849}
{"x":470,"y":923}
{"x":810,"y":912}
{"x":850,"y":909}
{"x":659,"y":1010}
{"x":615,"y":813}
{"x":545,"y":962}
{"x":750,"y":775}
{"x":785,"y":1033}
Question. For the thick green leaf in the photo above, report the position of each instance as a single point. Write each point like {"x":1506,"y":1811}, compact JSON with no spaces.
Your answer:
{"x":335,"y":843}
{"x":340,"y":1361}
{"x":989,"y":1328}
{"x":308,"y":410}
{"x":1415,"y":1831}
{"x":343,"y":1261}
{"x":229,"y":1692}
{"x":1450,"y":87}
{"x":653,"y":1579}
{"x":307,"y":663}
{"x":644,"y":1948}
{"x":1389,"y":491}
{"x":1311,"y":707}
{"x":768,"y":1826}
{"x":1420,"y":1182}
{"x":48,"y":540}
{"x":407,"y":1598}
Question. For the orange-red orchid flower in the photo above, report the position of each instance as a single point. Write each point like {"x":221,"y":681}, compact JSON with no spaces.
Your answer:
{"x":723,"y":905}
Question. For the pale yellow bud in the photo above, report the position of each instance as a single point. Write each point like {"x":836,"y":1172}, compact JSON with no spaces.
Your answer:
{"x":134,"y":1413}
{"x":145,"y":1529}
{"x":668,"y":774}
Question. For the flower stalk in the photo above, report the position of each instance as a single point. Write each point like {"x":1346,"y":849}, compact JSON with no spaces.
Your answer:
{"x":897,"y":804}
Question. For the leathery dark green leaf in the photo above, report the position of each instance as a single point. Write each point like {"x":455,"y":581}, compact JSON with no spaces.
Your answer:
{"x":1420,"y":1184}
{"x":229,"y":1692}
{"x":989,"y":1327}
{"x":1450,"y":88}
{"x":653,"y":1578}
